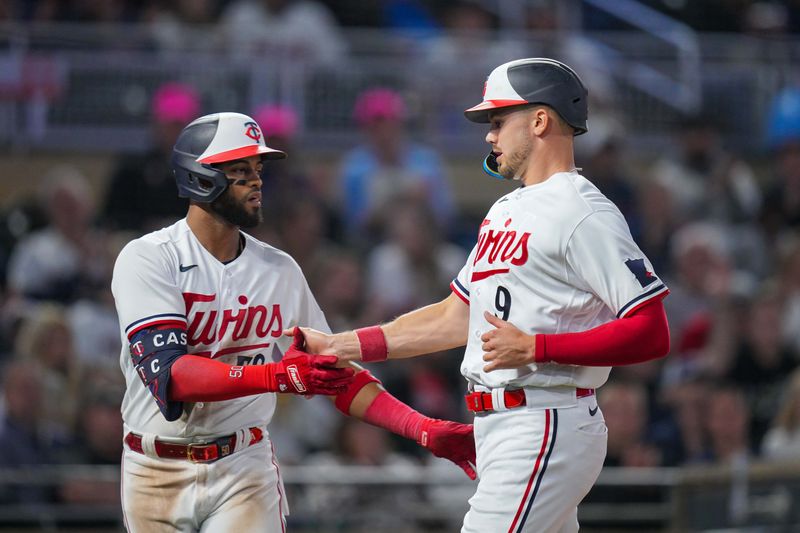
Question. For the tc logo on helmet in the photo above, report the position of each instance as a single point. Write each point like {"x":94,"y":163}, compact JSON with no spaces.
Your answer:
{"x":253,"y":131}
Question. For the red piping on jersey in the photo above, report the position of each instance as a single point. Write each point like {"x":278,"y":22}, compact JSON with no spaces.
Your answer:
{"x":641,"y":335}
{"x":232,"y":349}
{"x":170,"y":322}
{"x":280,"y":492}
{"x":535,"y":470}
{"x":458,"y":293}
{"x":122,"y":491}
{"x":641,"y":304}
{"x":477,"y":276}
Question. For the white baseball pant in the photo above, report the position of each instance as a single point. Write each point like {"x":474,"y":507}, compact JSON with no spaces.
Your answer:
{"x":242,"y":492}
{"x":536,"y":463}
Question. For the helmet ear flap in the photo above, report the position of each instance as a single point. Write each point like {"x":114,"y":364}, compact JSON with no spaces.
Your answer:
{"x":197,"y":181}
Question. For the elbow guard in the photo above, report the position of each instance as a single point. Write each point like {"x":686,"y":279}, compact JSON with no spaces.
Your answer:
{"x":154,"y":351}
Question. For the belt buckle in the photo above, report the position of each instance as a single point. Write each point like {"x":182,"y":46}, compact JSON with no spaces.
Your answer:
{"x":476,"y":403}
{"x":207,"y":455}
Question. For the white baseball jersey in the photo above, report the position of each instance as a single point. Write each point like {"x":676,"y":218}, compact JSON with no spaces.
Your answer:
{"x":233,"y":312}
{"x":554,"y":257}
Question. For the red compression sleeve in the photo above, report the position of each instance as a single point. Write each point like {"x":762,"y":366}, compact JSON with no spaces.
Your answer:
{"x":198,"y":379}
{"x":388,"y":412}
{"x":345,"y":399}
{"x":641,"y":336}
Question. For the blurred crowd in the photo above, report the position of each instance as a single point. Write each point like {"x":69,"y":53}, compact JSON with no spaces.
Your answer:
{"x":382,"y":233}
{"x":425,"y":16}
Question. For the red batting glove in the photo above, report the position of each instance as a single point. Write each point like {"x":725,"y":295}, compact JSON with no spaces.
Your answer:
{"x":306,"y":374}
{"x":450,"y":440}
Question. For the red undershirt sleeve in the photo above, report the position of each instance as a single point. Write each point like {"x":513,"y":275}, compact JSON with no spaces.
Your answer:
{"x":640,"y":336}
{"x":198,"y":379}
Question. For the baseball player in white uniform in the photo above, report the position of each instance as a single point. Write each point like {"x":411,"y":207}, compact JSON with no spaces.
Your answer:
{"x":202,"y":309}
{"x":554,"y":293}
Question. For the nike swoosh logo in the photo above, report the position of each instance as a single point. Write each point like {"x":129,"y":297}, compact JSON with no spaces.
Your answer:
{"x":502,"y":200}
{"x":593,"y":412}
{"x":186,"y":268}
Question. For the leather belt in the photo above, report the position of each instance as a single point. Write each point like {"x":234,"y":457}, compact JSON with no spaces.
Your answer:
{"x":479,"y":402}
{"x":196,"y":452}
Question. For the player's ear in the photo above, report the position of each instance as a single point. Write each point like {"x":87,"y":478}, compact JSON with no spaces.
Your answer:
{"x":539,"y":120}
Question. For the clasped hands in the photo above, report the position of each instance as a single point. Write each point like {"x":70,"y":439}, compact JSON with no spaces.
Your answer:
{"x":304,"y":373}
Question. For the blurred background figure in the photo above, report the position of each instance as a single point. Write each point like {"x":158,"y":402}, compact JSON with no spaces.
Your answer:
{"x":292,"y":30}
{"x":413,"y":267}
{"x":468,"y":47}
{"x":289,"y":181}
{"x":728,"y":423}
{"x":782,"y":440}
{"x":367,"y":508}
{"x":761,"y":361}
{"x":387,"y":167}
{"x":788,"y":285}
{"x":141,"y":195}
{"x":601,"y":155}
{"x":625,"y":409}
{"x":176,"y":26}
{"x":97,"y":429}
{"x":45,"y":340}
{"x":24,"y":436}
{"x":704,"y":287}
{"x":339,"y":286}
{"x":781,"y":211}
{"x":65,"y":258}
{"x":704,"y":178}
{"x":683,"y":437}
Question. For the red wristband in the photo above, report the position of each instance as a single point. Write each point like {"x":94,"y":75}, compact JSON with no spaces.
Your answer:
{"x":373,"y":344}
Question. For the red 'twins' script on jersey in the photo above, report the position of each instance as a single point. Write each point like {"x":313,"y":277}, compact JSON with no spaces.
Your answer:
{"x":499,"y":247}
{"x":204,"y":328}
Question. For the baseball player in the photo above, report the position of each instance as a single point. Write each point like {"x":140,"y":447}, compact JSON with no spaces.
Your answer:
{"x":202,"y":309}
{"x":554,"y":293}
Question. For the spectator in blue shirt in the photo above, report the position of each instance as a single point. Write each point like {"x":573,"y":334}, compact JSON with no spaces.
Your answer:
{"x":388,"y":167}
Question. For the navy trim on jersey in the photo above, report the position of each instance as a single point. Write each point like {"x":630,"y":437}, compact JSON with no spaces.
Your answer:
{"x":652,"y":292}
{"x":460,"y":287}
{"x":541,"y":474}
{"x":150,"y":318}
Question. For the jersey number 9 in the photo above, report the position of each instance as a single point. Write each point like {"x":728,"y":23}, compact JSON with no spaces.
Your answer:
{"x":502,"y":301}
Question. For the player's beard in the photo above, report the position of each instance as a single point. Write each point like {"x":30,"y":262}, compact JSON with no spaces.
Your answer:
{"x":236,"y":212}
{"x":513,"y":166}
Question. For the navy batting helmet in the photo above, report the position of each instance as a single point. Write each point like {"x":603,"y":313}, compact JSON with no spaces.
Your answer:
{"x":215,"y":139}
{"x":535,"y":80}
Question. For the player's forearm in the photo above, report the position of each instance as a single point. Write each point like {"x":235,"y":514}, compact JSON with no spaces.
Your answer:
{"x":367,"y":400}
{"x":198,"y":379}
{"x":437,"y":327}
